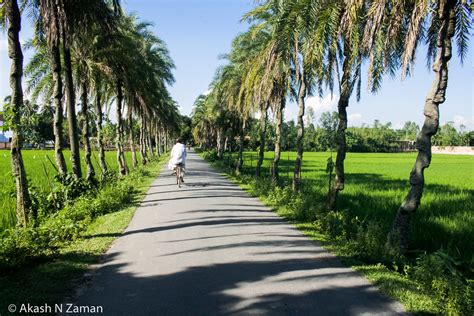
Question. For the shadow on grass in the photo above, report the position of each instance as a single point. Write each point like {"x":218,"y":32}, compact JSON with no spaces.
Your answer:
{"x":49,"y":283}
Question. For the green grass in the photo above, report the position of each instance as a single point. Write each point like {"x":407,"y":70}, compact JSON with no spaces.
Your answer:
{"x":376,"y":184}
{"x":53,"y":282}
{"x":34,"y":161}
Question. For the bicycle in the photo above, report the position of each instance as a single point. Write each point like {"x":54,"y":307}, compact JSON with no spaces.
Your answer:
{"x":179,"y":174}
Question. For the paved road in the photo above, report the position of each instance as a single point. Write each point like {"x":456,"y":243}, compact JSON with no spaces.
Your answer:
{"x":211,"y":249}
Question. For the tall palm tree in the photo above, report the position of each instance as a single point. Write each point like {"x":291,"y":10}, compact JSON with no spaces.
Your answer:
{"x":11,"y":12}
{"x":273,"y":82}
{"x":254,"y":85}
{"x":142,"y":69}
{"x":98,"y":87}
{"x":333,"y":33}
{"x":444,"y":20}
{"x":61,"y":21}
{"x":51,"y":24}
{"x":230,"y":84}
{"x":82,"y":56}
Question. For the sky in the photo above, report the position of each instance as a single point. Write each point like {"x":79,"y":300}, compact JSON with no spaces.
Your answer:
{"x":198,"y":32}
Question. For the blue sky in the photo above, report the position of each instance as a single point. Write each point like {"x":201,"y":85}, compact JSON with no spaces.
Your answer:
{"x":198,"y":31}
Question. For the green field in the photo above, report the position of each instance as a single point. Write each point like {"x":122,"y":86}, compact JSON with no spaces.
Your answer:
{"x":34,"y":161}
{"x":377,"y":183}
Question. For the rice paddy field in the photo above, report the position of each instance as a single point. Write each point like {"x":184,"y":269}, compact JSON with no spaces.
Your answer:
{"x":35,"y":162}
{"x":377,"y":183}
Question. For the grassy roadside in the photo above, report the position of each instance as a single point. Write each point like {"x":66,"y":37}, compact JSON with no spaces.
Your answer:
{"x":55,"y":280}
{"x":416,"y":299}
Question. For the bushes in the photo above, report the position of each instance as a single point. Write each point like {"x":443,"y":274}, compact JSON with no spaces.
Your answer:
{"x":22,"y":246}
{"x":211,"y":155}
{"x":439,"y":273}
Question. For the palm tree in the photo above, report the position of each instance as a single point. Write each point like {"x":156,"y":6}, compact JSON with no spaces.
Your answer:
{"x":98,"y":86}
{"x":130,"y":122}
{"x":230,"y":84}
{"x":445,"y":20}
{"x":11,"y":13}
{"x":142,"y":68}
{"x":201,"y":122}
{"x":327,"y":31}
{"x":85,"y":130}
{"x":254,"y":86}
{"x":272,"y":67}
{"x":247,"y":81}
{"x":61,"y":21}
{"x":50,"y":21}
{"x":84,"y":71}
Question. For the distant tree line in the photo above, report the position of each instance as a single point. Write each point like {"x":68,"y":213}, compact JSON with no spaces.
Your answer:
{"x":377,"y":137}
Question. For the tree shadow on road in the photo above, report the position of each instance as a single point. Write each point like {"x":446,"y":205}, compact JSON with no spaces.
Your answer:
{"x":239,"y":288}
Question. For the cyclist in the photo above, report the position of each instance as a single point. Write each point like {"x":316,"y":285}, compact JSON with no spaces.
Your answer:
{"x":178,"y":157}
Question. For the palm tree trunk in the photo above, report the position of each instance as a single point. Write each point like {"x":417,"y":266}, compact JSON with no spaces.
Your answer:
{"x":240,"y":158}
{"x":85,"y":133}
{"x":148,"y":139}
{"x":120,"y":159}
{"x":157,"y":146}
{"x":399,"y":236}
{"x":278,"y":134}
{"x":100,"y":136}
{"x":148,"y":149}
{"x":342,"y":105}
{"x":130,"y":139}
{"x":263,"y":132}
{"x":23,"y":202}
{"x":71,"y":112}
{"x":55,"y":60}
{"x":142,"y":141}
{"x":160,"y":141}
{"x":300,"y":77}
{"x":220,"y":142}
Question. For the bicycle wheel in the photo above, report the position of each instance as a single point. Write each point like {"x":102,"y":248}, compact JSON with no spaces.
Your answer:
{"x":178,"y":176}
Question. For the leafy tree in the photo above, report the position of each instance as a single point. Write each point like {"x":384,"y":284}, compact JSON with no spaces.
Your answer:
{"x":410,"y":130}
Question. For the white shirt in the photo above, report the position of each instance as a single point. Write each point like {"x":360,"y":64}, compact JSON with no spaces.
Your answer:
{"x":178,"y":155}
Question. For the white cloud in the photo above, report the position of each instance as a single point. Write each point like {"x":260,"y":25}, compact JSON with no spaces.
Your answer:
{"x":324,"y":104}
{"x":461,"y":120}
{"x":319,"y":105}
{"x":355,"y":119}
{"x":398,"y":125}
